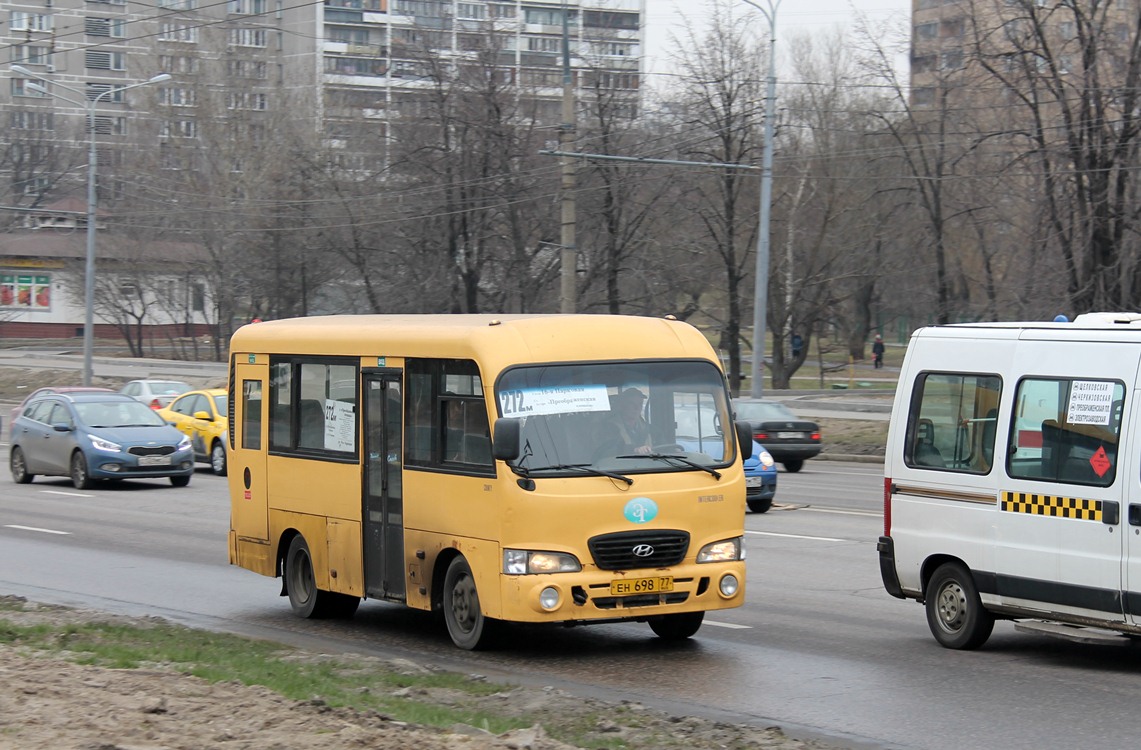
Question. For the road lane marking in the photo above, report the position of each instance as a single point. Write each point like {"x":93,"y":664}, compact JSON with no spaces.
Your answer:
{"x":730,"y":625}
{"x":874,"y":513}
{"x":33,"y":528}
{"x":798,"y":536}
{"x":69,"y":494}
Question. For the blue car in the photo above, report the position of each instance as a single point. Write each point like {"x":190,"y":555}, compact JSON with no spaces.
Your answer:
{"x":760,"y":470}
{"x":760,"y":479}
{"x":89,"y":436}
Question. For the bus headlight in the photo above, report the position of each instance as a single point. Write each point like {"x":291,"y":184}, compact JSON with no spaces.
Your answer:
{"x":518,"y":562}
{"x":726,"y":550}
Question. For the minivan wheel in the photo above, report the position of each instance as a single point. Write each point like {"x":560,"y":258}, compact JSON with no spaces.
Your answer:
{"x":955,"y":612}
{"x":794,"y":466}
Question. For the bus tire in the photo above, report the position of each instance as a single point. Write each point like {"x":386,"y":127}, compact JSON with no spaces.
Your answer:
{"x":305,"y":598}
{"x":955,"y":612}
{"x":468,"y":627}
{"x":677,"y":627}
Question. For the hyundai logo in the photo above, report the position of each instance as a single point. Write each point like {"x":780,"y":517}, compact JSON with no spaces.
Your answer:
{"x":642,"y":550}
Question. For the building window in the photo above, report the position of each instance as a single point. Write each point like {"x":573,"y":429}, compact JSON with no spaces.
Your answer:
{"x":544,"y":44}
{"x":179,"y":129}
{"x":178,"y":4}
{"x":496,"y":10}
{"x":25,"y":291}
{"x":20,"y":88}
{"x":246,"y":100}
{"x":548,"y":16}
{"x":111,"y":27}
{"x":178,"y":64}
{"x":471,"y":11}
{"x":176,"y":97}
{"x":97,"y":60}
{"x":21,"y":21}
{"x":926,"y":31}
{"x":109,"y":125}
{"x":177,"y":32}
{"x":247,"y":37}
{"x":30,"y":120}
{"x":246,"y":7}
{"x":104,"y":92}
{"x":30,"y":54}
{"x":604,"y":19}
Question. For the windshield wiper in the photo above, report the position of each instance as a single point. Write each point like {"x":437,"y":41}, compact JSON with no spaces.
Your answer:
{"x":588,"y":468}
{"x":674,"y":457}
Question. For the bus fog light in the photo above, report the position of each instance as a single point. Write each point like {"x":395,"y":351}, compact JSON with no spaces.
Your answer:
{"x":549,"y":598}
{"x":728,"y":585}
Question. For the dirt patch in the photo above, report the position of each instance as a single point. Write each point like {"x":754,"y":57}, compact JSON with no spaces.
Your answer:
{"x":50,"y":702}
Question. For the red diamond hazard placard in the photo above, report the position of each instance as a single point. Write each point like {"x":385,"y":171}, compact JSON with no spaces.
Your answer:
{"x":1099,"y":461}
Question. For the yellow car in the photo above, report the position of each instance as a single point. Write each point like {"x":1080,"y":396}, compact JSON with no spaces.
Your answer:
{"x":202,"y":416}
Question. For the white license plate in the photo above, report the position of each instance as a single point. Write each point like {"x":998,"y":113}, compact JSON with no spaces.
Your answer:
{"x":752,"y":481}
{"x":790,"y":435}
{"x":154,"y":460}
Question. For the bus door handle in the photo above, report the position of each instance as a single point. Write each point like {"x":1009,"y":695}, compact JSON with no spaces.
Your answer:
{"x":1134,"y":514}
{"x":1110,"y":512}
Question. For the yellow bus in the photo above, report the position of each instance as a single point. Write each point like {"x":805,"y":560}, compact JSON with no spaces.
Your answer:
{"x":566,"y":469}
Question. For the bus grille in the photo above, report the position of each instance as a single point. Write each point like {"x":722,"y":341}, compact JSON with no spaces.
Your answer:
{"x":639,"y":549}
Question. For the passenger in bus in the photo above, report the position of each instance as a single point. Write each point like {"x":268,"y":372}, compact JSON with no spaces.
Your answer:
{"x":626,"y":430}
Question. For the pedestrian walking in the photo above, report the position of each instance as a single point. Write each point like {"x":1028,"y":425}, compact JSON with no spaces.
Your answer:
{"x":877,"y":351}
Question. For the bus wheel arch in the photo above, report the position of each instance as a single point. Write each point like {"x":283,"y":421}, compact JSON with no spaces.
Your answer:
{"x":468,"y":626}
{"x":955,"y":613}
{"x":300,"y":585}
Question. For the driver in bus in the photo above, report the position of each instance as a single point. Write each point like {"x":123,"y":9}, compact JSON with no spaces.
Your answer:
{"x":627,"y":430}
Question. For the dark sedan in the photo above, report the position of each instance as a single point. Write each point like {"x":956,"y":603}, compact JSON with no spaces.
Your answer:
{"x":790,"y":439}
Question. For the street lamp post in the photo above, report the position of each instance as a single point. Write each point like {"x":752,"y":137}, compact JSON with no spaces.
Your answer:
{"x":92,"y":198}
{"x":761,"y":287}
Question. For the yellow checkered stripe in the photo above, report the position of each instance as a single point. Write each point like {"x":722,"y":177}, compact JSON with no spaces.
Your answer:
{"x":1052,"y":505}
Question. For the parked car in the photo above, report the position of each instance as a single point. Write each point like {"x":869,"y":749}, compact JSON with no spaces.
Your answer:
{"x":790,"y":439}
{"x":201,"y":415}
{"x":760,"y":479}
{"x":92,"y":436}
{"x":155,"y":393}
{"x":49,"y":389}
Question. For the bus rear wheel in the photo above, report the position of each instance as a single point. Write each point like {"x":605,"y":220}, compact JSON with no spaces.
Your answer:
{"x":469,"y":628}
{"x":677,"y":627}
{"x":305,"y":598}
{"x":955,"y":612}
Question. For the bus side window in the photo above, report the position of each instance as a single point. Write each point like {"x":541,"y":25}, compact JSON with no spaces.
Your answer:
{"x":312,"y":425}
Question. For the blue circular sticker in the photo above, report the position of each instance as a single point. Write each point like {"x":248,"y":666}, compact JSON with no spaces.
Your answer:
{"x":640,"y":510}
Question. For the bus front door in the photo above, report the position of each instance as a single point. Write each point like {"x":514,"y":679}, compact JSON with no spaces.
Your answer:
{"x":383,"y":496}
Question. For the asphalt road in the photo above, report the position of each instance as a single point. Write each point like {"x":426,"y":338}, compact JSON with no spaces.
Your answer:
{"x":819,"y":648}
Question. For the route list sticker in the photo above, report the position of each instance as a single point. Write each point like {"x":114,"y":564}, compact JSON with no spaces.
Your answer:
{"x":1091,"y":402}
{"x":569,"y":399}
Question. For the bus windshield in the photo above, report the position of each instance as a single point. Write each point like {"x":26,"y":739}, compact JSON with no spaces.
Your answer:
{"x":626,"y":417}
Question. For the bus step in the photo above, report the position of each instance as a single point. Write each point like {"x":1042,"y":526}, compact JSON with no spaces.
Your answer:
{"x":1077,"y":633}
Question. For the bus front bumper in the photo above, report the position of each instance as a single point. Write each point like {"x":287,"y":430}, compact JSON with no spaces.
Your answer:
{"x":609,"y":595}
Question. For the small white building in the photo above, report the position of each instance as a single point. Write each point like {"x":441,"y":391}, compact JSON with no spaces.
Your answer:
{"x":155,"y":289}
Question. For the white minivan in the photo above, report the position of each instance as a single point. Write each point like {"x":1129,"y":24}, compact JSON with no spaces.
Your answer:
{"x":1007,"y":494}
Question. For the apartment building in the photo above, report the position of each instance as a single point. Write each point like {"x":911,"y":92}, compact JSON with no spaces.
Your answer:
{"x":240,"y":68}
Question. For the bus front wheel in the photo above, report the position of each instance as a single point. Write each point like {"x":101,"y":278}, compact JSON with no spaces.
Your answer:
{"x":305,"y":598}
{"x":469,"y":628}
{"x":677,"y":627}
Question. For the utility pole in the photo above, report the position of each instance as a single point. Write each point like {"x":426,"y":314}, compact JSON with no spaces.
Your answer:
{"x":761,"y":288}
{"x":568,"y":187}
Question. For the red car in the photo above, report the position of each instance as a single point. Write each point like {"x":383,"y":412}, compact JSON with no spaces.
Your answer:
{"x":42,"y":391}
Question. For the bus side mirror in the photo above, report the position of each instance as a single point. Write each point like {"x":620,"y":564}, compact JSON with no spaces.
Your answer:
{"x":744,"y":439}
{"x":506,"y":444}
